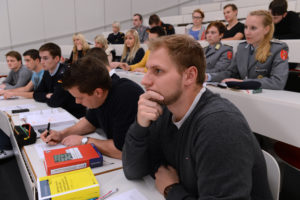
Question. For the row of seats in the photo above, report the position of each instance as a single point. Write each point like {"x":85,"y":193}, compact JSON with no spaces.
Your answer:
{"x":294,"y":49}
{"x":218,"y":14}
{"x":218,"y":6}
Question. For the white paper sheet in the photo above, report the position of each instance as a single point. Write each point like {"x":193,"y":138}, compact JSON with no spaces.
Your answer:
{"x":133,"y":194}
{"x":9,"y":108}
{"x":41,"y":147}
{"x":40,"y":118}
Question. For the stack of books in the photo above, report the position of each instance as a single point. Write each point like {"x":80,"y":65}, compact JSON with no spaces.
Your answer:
{"x":72,"y":158}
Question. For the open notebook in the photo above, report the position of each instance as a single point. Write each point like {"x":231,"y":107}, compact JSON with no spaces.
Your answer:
{"x":39,"y":119}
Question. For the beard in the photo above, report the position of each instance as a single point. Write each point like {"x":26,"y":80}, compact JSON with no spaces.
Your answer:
{"x":172,"y":98}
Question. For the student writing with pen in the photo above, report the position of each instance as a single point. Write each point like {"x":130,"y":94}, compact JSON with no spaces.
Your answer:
{"x":48,"y":129}
{"x":111,"y":102}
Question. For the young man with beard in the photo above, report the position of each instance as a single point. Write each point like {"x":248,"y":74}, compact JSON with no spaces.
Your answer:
{"x":197,"y":144}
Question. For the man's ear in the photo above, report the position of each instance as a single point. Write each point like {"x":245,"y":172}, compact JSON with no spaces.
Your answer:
{"x":98,"y":92}
{"x":190,"y":75}
{"x":57,"y":59}
{"x":284,"y":15}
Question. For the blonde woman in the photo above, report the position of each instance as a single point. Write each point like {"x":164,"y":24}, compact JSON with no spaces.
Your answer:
{"x":80,"y":47}
{"x":101,"y":42}
{"x":132,"y":52}
{"x":197,"y":31}
{"x":258,"y":58}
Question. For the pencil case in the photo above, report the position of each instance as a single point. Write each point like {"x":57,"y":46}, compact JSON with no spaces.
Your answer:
{"x":24,"y":134}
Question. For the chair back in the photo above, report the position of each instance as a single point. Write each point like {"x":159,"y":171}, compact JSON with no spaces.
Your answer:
{"x":5,"y":124}
{"x":273,"y":173}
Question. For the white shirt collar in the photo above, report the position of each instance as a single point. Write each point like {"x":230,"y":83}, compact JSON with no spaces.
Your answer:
{"x":112,"y":72}
{"x":179,"y":123}
{"x":57,"y":66}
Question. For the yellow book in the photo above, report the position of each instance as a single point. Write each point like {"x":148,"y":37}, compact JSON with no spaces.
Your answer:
{"x":74,"y":185}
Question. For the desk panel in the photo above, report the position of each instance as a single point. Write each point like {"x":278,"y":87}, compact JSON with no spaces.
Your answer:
{"x":272,"y":113}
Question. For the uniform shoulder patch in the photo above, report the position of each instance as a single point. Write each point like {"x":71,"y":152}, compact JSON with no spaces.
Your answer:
{"x":229,"y":55}
{"x":283,"y":54}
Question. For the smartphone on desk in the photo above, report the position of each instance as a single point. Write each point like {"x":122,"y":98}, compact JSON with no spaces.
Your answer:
{"x":20,"y":110}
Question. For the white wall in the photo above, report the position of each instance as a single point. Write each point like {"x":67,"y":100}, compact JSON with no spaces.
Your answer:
{"x":28,"y":24}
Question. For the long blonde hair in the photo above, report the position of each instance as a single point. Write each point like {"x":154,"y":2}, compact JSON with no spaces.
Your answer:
{"x":85,"y":45}
{"x":263,"y":49}
{"x":135,"y":47}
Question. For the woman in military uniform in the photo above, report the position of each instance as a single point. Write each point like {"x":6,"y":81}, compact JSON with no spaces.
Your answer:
{"x":258,"y":58}
{"x":218,"y":56}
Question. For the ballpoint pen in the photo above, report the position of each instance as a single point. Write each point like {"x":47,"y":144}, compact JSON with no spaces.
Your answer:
{"x":48,"y":129}
{"x":111,"y":192}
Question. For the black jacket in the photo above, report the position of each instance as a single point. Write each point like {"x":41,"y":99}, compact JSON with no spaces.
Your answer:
{"x":60,"y":97}
{"x":288,"y":27}
{"x":116,"y":39}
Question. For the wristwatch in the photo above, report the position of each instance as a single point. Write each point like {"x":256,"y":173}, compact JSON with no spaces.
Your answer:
{"x":168,"y":189}
{"x":84,"y":140}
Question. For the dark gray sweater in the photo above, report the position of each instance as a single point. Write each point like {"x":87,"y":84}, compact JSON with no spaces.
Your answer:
{"x":17,"y":79}
{"x":214,"y":153}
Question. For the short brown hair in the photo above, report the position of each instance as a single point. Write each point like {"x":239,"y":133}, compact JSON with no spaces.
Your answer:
{"x":233,"y":6}
{"x":88,"y":74}
{"x":32,"y":53}
{"x":53,"y":49}
{"x":98,"y":53}
{"x":199,"y":11}
{"x":184,"y":50}
{"x":154,"y":19}
{"x":219,"y":25}
{"x":139,"y":15}
{"x":278,"y":7}
{"x":14,"y":54}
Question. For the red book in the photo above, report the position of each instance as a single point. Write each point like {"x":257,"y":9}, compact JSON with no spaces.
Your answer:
{"x":72,"y":158}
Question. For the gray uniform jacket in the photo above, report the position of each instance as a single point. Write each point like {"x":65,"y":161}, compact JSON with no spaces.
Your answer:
{"x":218,"y":57}
{"x":272,"y":74}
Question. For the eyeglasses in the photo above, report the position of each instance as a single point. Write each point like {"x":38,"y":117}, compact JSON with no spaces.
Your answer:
{"x":196,"y":17}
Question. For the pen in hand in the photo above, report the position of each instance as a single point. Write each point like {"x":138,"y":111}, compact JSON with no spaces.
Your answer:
{"x":48,"y":129}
